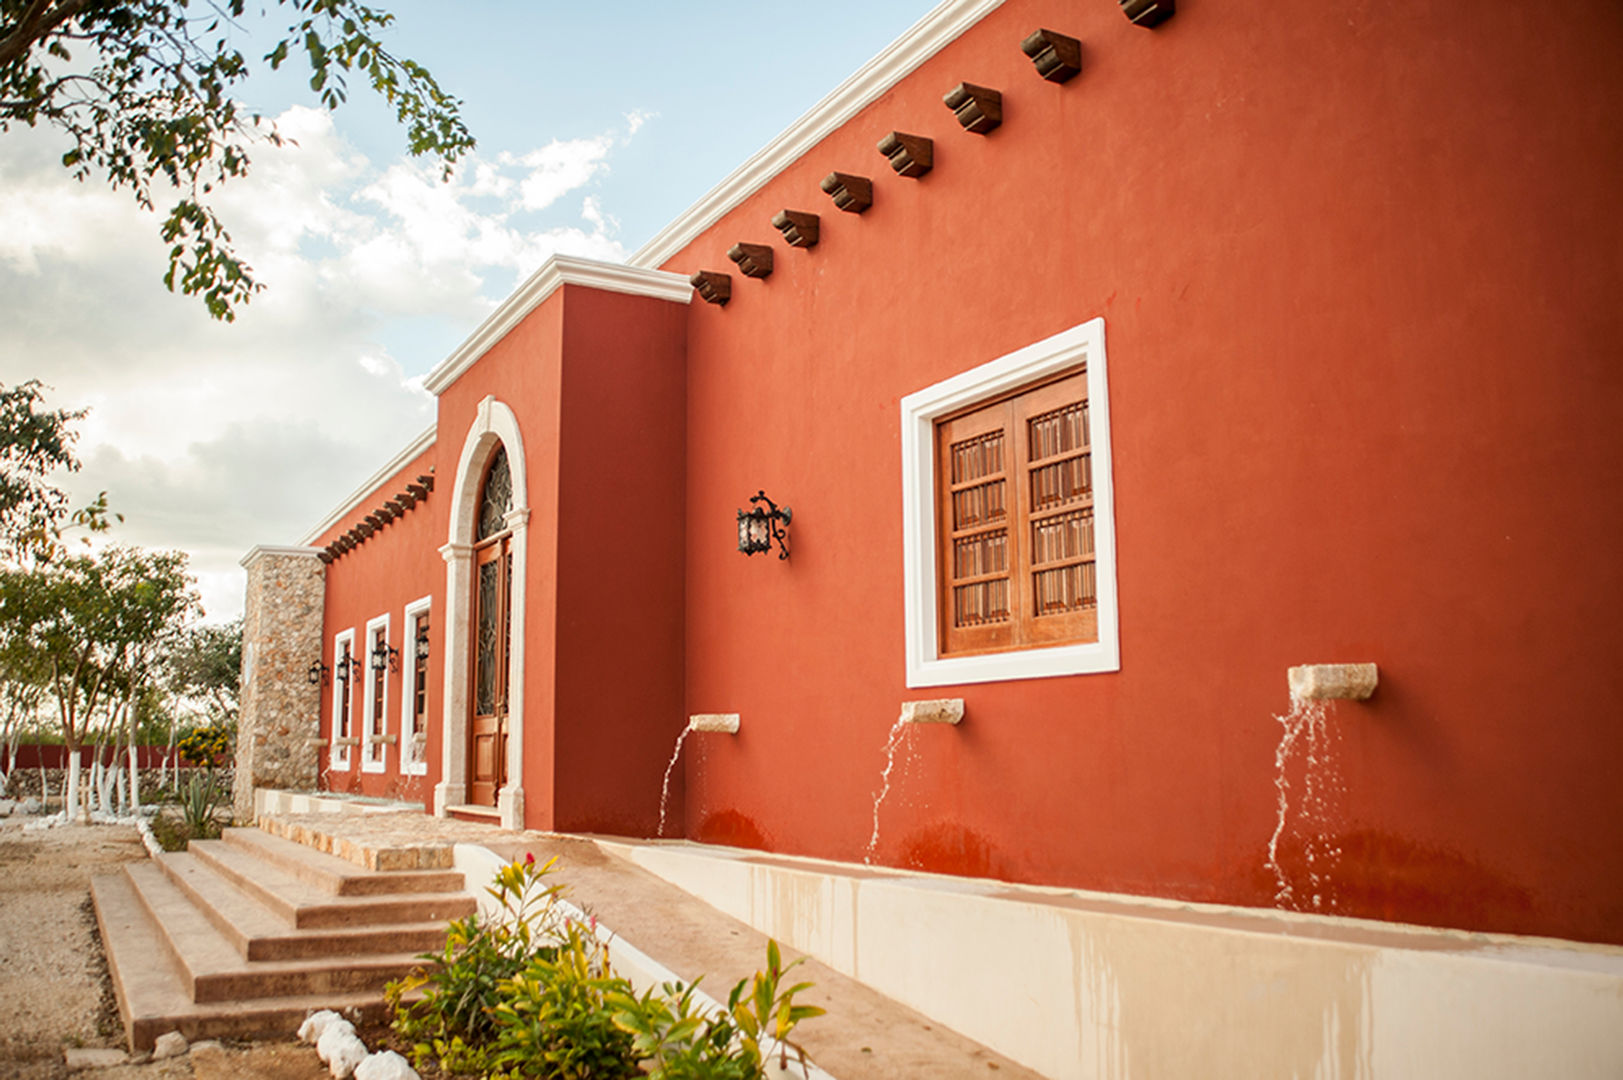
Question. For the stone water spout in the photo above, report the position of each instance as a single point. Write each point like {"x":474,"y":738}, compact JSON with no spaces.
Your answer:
{"x":725,"y":723}
{"x":940,"y":711}
{"x":1323,"y":682}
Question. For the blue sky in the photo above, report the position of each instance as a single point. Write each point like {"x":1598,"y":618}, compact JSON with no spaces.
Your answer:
{"x":597,"y":125}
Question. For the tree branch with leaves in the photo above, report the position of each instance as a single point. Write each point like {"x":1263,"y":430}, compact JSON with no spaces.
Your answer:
{"x":144,"y":89}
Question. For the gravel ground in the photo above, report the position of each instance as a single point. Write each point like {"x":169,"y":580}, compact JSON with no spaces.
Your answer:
{"x":54,"y":989}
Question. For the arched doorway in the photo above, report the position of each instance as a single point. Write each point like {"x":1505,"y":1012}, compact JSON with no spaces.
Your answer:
{"x":492,"y":634}
{"x":482,"y":743}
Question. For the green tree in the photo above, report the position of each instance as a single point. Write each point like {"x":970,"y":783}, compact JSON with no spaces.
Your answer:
{"x":34,"y":443}
{"x":206,"y":665}
{"x":94,"y":622}
{"x":144,"y":88}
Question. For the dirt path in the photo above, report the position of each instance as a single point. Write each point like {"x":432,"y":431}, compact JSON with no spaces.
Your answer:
{"x":54,"y":989}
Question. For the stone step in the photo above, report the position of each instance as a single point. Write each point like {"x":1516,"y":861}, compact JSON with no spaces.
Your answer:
{"x":153,"y":998}
{"x":212,"y":970}
{"x":260,"y":933}
{"x":339,"y":876}
{"x":306,"y":906}
{"x":316,"y":831}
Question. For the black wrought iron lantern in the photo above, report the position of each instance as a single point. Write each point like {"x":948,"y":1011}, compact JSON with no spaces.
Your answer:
{"x":761,"y":525}
{"x":348,"y":667}
{"x":318,"y":673}
{"x":384,"y":656}
{"x":420,"y":648}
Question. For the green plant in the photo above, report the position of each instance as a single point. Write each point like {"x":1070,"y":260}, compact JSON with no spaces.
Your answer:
{"x":461,"y":984}
{"x":198,"y":801}
{"x":678,"y":1041}
{"x":553,"y":1019}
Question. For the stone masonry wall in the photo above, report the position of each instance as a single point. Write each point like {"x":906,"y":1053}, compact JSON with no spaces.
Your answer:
{"x":279,"y":723}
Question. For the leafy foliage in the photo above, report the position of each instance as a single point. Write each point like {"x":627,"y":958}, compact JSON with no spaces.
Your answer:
{"x":144,"y":88}
{"x":206,"y":664}
{"x":461,"y":983}
{"x":532,"y":994}
{"x":34,"y":443}
{"x":553,"y":1020}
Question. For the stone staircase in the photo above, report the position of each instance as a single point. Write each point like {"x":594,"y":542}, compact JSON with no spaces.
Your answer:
{"x":247,"y":934}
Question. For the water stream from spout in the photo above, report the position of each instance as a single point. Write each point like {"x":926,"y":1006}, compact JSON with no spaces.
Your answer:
{"x":1304,"y":730}
{"x":665,"y":789}
{"x":898,"y":734}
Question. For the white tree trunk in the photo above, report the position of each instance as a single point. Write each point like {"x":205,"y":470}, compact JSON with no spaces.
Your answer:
{"x":70,"y":798}
{"x":135,"y":779}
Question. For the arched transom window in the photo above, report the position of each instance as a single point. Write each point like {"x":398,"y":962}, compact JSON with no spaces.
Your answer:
{"x":496,"y":497}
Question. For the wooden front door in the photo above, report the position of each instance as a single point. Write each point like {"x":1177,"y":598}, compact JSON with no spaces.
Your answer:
{"x":492,"y":637}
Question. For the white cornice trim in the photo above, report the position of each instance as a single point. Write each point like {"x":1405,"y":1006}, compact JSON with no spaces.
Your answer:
{"x":260,"y":550}
{"x":922,"y":41}
{"x":362,"y":493}
{"x":557,"y":270}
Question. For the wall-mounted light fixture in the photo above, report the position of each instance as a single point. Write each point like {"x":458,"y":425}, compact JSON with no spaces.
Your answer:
{"x":758,"y":526}
{"x":385,"y":655}
{"x":318,"y":674}
{"x":350,"y":665}
{"x":421,"y":647}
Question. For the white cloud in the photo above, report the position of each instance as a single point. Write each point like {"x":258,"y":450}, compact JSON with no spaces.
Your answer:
{"x":560,"y":167}
{"x":212,"y":437}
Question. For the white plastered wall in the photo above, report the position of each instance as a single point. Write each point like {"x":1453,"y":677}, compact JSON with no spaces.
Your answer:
{"x":1089,"y":986}
{"x":494,"y":423}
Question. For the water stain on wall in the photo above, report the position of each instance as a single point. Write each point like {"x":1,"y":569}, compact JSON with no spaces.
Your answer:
{"x":947,"y":847}
{"x":731,"y":829}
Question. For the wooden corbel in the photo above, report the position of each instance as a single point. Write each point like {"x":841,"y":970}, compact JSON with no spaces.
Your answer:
{"x":909,"y":155}
{"x":754,"y":260}
{"x":713,"y":286}
{"x":853,"y":194}
{"x":1148,"y":13}
{"x":977,"y":108}
{"x":799,"y":228}
{"x":1058,"y":58}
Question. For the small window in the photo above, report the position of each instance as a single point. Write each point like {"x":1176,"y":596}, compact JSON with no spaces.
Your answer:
{"x":1015,"y":568}
{"x":414,"y":696}
{"x":374,"y":749}
{"x":343,"y":700}
{"x":1008,"y":525}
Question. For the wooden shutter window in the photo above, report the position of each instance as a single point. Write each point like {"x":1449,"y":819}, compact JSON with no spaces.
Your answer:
{"x":1015,"y":520}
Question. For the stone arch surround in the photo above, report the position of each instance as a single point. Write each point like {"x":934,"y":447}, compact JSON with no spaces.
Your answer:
{"x":494,"y":424}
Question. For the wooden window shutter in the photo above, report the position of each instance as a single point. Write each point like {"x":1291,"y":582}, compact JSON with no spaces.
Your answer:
{"x":1014,"y":498}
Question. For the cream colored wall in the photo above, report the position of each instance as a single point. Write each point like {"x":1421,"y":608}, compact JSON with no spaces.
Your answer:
{"x":1097,"y":987}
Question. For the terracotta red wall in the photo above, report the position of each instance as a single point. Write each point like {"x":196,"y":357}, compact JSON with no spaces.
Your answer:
{"x":595,"y":382}
{"x":620,"y":559}
{"x":1357,"y":264}
{"x":396,"y":565}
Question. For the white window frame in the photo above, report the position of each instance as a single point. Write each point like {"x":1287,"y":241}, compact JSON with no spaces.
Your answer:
{"x":338,"y":756}
{"x":376,"y":630}
{"x":411,"y":763}
{"x":1084,"y":343}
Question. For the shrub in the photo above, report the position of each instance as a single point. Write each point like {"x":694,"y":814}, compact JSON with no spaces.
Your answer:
{"x":553,"y":1020}
{"x":461,"y":984}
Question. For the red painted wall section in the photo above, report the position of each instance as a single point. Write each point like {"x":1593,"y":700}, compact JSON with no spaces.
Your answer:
{"x":620,"y":559}
{"x":1357,"y":264}
{"x":395,"y":566}
{"x":522,"y":370}
{"x":603,"y":664}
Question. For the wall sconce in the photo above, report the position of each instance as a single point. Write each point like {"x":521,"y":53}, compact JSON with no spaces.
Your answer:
{"x":385,"y":655}
{"x":758,"y":527}
{"x":421,"y":648}
{"x":317,"y":674}
{"x":347,"y":668}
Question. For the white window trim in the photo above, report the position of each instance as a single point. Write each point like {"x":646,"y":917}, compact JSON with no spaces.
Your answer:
{"x":411,"y":763}
{"x":375,"y":754}
{"x":925,"y":665}
{"x":338,"y":756}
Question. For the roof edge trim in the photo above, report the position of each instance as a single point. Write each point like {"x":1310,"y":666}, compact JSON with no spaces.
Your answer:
{"x":372,"y":483}
{"x":558,"y":270}
{"x":260,"y":550}
{"x":921,"y":41}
